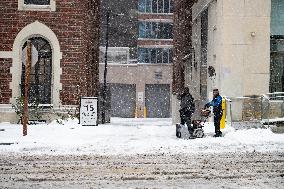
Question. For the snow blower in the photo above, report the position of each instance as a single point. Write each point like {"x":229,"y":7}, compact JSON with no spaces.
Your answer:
{"x":197,"y":125}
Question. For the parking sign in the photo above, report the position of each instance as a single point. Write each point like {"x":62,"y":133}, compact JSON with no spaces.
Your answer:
{"x":89,"y":111}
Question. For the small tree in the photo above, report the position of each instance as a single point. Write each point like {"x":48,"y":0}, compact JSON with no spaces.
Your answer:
{"x":35,"y":111}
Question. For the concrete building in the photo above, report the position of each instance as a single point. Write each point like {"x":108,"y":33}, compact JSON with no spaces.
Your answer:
{"x":140,"y":69}
{"x":237,"y":46}
{"x":65,"y":34}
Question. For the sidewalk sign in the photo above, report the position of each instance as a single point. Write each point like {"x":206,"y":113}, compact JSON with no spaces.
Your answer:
{"x":89,"y":111}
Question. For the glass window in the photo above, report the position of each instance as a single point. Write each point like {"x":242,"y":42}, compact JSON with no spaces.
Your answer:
{"x":277,"y":17}
{"x":148,"y":29}
{"x":161,"y":31}
{"x":147,"y":56}
{"x":155,"y":55}
{"x":141,"y":55}
{"x":166,"y":6}
{"x":41,"y":73}
{"x":141,"y":6}
{"x":171,"y":6}
{"x":37,"y":2}
{"x":154,"y":6}
{"x":162,"y":28}
{"x":155,"y":30}
{"x":149,"y":6}
{"x":160,"y":6}
{"x":159,"y":56}
{"x":277,"y":73}
{"x":142,"y":30}
{"x":165,"y":55}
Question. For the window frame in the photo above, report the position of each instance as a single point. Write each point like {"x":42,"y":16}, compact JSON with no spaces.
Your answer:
{"x":145,"y":53}
{"x":163,"y":30}
{"x":30,"y":7}
{"x":147,"y":6}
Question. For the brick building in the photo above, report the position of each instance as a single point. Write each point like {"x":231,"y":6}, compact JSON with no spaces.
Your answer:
{"x":66,"y":36}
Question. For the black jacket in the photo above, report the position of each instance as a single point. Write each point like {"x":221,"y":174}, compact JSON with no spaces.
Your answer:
{"x":187,"y":103}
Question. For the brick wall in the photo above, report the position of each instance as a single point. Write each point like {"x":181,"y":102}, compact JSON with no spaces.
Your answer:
{"x":5,"y":78}
{"x":76,"y":25}
{"x":182,"y":41}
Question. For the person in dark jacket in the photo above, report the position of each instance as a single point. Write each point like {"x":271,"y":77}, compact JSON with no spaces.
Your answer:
{"x":187,"y":108}
{"x":217,"y":110}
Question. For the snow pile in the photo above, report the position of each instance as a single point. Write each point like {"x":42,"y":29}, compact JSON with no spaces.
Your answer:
{"x":131,"y":136}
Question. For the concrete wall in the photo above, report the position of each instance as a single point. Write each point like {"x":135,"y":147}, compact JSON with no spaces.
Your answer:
{"x":140,"y":75}
{"x":238,"y":44}
{"x":238,"y":47}
{"x":245,"y":48}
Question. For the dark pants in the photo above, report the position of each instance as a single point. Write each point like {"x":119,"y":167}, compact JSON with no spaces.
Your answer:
{"x":186,"y":118}
{"x":217,"y":120}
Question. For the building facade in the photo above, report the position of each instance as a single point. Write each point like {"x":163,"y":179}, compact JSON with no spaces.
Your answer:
{"x":182,"y":50}
{"x":140,"y":71}
{"x":237,"y":47}
{"x":65,"y":35}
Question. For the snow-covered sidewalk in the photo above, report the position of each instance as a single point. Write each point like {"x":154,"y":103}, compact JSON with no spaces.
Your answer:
{"x":131,"y":136}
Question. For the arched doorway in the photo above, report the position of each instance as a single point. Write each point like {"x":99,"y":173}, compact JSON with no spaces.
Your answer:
{"x":41,"y":73}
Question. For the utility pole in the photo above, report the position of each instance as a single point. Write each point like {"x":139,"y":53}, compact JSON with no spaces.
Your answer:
{"x":105,"y":71}
{"x":27,"y":82}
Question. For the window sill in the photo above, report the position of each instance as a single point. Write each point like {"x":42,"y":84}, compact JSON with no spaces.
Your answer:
{"x":153,"y":39}
{"x":156,"y":64}
{"x":150,"y":13}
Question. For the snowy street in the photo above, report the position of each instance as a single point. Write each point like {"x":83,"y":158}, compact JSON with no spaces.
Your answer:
{"x":129,"y":152}
{"x":210,"y":171}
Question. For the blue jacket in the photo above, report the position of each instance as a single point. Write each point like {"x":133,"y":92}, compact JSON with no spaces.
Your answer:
{"x":217,"y":106}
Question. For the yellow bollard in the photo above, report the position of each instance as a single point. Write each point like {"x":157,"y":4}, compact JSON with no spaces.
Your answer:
{"x":136,"y":112}
{"x":145,"y":112}
{"x":223,"y":119}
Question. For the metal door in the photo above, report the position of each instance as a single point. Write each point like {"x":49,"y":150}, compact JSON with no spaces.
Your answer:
{"x":157,"y":98}
{"x":123,"y":100}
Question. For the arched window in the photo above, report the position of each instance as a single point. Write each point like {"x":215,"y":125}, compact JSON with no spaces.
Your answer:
{"x":41,"y":73}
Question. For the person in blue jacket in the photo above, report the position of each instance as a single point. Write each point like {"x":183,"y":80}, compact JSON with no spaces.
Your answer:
{"x":217,"y":110}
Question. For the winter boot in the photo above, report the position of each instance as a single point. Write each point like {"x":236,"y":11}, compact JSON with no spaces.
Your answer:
{"x":191,"y":136}
{"x":218,"y":134}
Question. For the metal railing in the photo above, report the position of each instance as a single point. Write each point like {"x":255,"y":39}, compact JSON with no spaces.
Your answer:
{"x":255,"y":111}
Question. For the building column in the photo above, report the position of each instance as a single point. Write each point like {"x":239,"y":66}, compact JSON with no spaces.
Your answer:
{"x":140,"y":100}
{"x":175,"y":109}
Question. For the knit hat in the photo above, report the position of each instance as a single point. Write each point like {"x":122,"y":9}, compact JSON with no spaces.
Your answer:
{"x":215,"y":90}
